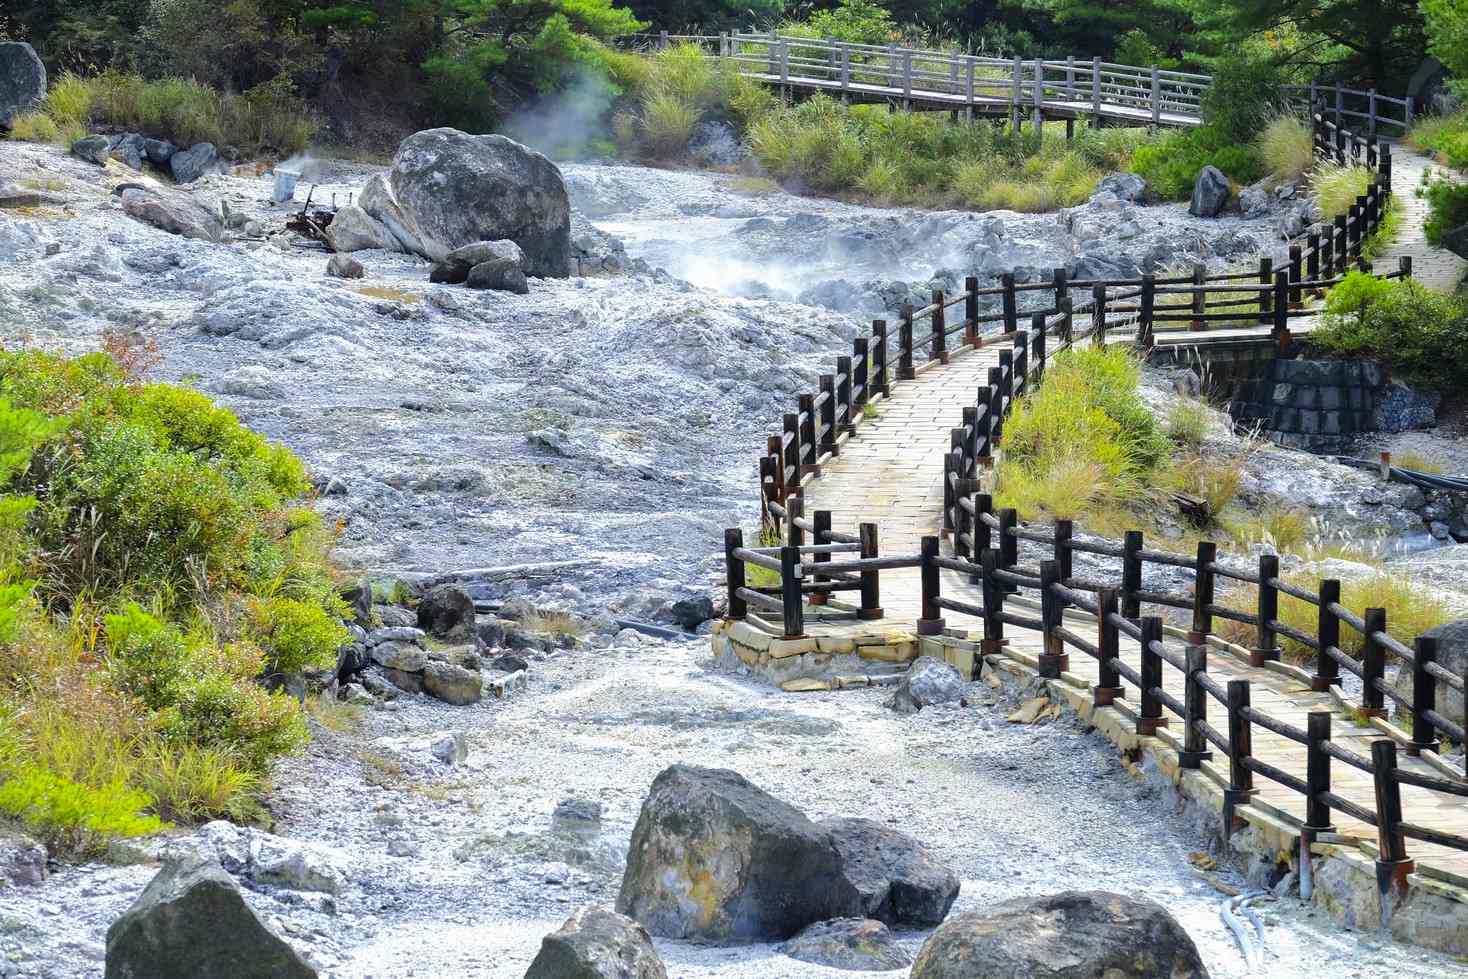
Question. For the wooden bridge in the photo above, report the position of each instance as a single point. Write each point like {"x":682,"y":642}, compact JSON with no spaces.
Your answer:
{"x":1036,"y":89}
{"x":878,"y":489}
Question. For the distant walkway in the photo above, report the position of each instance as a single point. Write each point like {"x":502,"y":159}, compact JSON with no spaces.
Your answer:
{"x":1434,"y":267}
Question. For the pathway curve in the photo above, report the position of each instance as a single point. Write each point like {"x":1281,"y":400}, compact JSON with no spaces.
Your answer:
{"x":1434,"y":267}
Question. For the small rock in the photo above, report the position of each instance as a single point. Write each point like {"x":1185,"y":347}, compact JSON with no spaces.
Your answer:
{"x":408,"y":633}
{"x":353,"y":230}
{"x":595,"y":943}
{"x":191,"y":164}
{"x":489,"y":260}
{"x":174,"y":212}
{"x":159,"y":151}
{"x":452,"y":749}
{"x":22,"y":860}
{"x":447,"y":612}
{"x":577,"y":817}
{"x":345,"y":267}
{"x":130,"y":150}
{"x":93,"y":149}
{"x":452,"y":684}
{"x":1439,"y":530}
{"x":508,"y":663}
{"x":854,"y":944}
{"x":192,"y":923}
{"x":928,"y":681}
{"x":399,"y":656}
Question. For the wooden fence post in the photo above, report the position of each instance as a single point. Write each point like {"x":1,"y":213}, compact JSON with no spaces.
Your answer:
{"x":1156,"y":97}
{"x":807,"y":403}
{"x":1373,"y":664}
{"x":1060,"y":279}
{"x":734,"y":573}
{"x":931,"y":623}
{"x":1266,"y":296}
{"x":1317,"y":776}
{"x":950,"y":473}
{"x":871,"y":597}
{"x":1008,"y":544}
{"x":860,"y":388}
{"x":828,"y":415}
{"x":1096,"y":89}
{"x":1195,"y":710}
{"x":1131,"y":575}
{"x":939,"y":323}
{"x":993,"y":593}
{"x":971,"y":307}
{"x":983,"y":430}
{"x":1021,"y":363}
{"x":1328,"y":635}
{"x":1312,"y":262}
{"x":1016,"y":96}
{"x":790,"y":591}
{"x":1011,"y":302}
{"x":1098,"y":315}
{"x":1296,"y":256}
{"x":970,"y":442}
{"x":1392,"y":863}
{"x":792,"y":452}
{"x":905,"y":370}
{"x":1203,"y":581}
{"x":1240,"y":746}
{"x":1281,"y":331}
{"x":996,"y":407}
{"x":1037,"y":327}
{"x":1149,"y":717}
{"x":879,"y":358}
{"x":845,"y":423}
{"x":1342,"y":250}
{"x":1266,"y":645}
{"x":983,"y":506}
{"x":1039,"y":96}
{"x":1064,"y":556}
{"x":1006,"y":380}
{"x":1108,"y":644}
{"x":1053,"y":661}
{"x":1199,"y":296}
{"x":1424,"y":696}
{"x":1067,"y":323}
{"x":794,"y":510}
{"x":1148,"y":304}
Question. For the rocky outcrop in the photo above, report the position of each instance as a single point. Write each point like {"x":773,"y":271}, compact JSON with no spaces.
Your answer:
{"x":1071,"y":935}
{"x":130,"y":149}
{"x":1128,"y":187}
{"x":447,"y":189}
{"x":595,"y":943}
{"x":854,"y":944}
{"x":191,"y":164}
{"x":447,"y":613}
{"x":1211,"y":192}
{"x":927,"y":681}
{"x":898,"y":879}
{"x":353,"y":230}
{"x":192,"y":923}
{"x":22,"y":81}
{"x":715,"y":858}
{"x":176,"y":213}
{"x":93,"y":149}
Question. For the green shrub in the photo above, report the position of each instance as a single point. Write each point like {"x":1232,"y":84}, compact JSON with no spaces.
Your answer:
{"x":1287,"y":146}
{"x":1447,"y":203}
{"x":1446,"y":137}
{"x":246,"y":721}
{"x":73,"y":818}
{"x":35,"y":127}
{"x":296,"y":635}
{"x":1243,"y":95}
{"x":146,"y":658}
{"x":1170,"y":165}
{"x":70,"y":99}
{"x":1402,"y":323}
{"x":667,"y":124}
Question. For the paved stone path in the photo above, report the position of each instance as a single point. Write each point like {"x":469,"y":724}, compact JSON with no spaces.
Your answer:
{"x":1437,"y":268}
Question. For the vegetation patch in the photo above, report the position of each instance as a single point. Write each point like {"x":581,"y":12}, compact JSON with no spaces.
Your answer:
{"x":156,"y":564}
{"x":1400,"y":322}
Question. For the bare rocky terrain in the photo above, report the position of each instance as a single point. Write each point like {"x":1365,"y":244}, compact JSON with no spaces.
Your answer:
{"x":610,"y":421}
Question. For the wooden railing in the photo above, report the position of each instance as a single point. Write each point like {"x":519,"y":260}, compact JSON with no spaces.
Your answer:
{"x":1015,"y":87}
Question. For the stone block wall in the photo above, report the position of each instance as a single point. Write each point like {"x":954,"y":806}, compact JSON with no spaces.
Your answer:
{"x":1315,"y":405}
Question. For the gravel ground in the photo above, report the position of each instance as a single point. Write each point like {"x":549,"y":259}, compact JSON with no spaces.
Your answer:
{"x":454,"y":872}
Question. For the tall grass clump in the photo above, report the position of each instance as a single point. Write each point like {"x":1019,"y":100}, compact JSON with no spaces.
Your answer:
{"x":1335,"y":187}
{"x":1083,"y":439}
{"x":1287,"y":146}
{"x":1445,"y":137}
{"x":157,"y":565}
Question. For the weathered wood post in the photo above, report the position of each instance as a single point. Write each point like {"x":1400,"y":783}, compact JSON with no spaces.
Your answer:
{"x":993,"y":593}
{"x":1312,"y":262}
{"x":1203,"y":582}
{"x":846,"y":423}
{"x":794,"y":511}
{"x":1149,"y":717}
{"x":1195,"y":710}
{"x":1060,"y":280}
{"x":861,"y":389}
{"x":1021,"y":363}
{"x":828,"y":414}
{"x":792,"y":453}
{"x":1353,"y":229}
{"x":871,"y":589}
{"x":1016,"y":96}
{"x":1199,"y":296}
{"x":1038,"y":120}
{"x":1424,"y":696}
{"x":768,"y":465}
{"x":1131,"y":575}
{"x":931,"y":623}
{"x":905,"y":370}
{"x":1240,"y":747}
{"x":1342,"y":248}
{"x":1148,"y":308}
{"x":1064,"y":556}
{"x":1011,"y":302}
{"x":970,"y":468}
{"x":1373,"y":664}
{"x":1266,"y":646}
{"x":1296,"y":256}
{"x":1008,"y":544}
{"x":1037,"y":327}
{"x":950,"y":475}
{"x":1067,"y":323}
{"x":879,"y":358}
{"x":807,"y":403}
{"x":1006,"y":380}
{"x":971,"y":309}
{"x":791,"y":584}
{"x":1327,"y":253}
{"x":1404,"y":265}
{"x":1317,"y":776}
{"x":1108,"y":646}
{"x":1096,"y":90}
{"x":939,"y":323}
{"x":1053,"y":661}
{"x":1328,"y":636}
{"x":1281,"y":330}
{"x":1098,"y":314}
{"x":734,"y":573}
{"x":820,"y":534}
{"x":996,"y":406}
{"x":1393,"y":866}
{"x":1266,"y":296}
{"x":983,"y":506}
{"x":983,"y":428}
{"x":1156,"y":97}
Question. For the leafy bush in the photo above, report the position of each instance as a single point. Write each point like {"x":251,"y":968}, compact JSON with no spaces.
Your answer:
{"x":1403,"y":323}
{"x":1084,"y":437}
{"x":1447,"y":203}
{"x":1287,"y":146}
{"x":1170,"y":165}
{"x":853,"y":21}
{"x":1446,"y":137}
{"x":153,"y":566}
{"x":1243,"y":96}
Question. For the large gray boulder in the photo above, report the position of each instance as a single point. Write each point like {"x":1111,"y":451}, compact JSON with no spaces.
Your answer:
{"x":1128,"y":187}
{"x":898,"y":878}
{"x":176,"y":213}
{"x":595,"y":943}
{"x":855,"y":944}
{"x":353,"y":230}
{"x":1071,"y":935}
{"x":131,"y":149}
{"x":94,"y":149}
{"x":447,"y":613}
{"x":447,"y":188}
{"x":191,"y":164}
{"x":1452,"y":655}
{"x":192,"y":923}
{"x":928,"y":681}
{"x":22,"y":81}
{"x":715,"y":858}
{"x":1211,"y":192}
{"x":452,"y":684}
